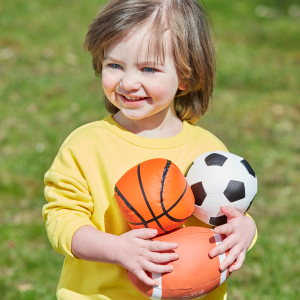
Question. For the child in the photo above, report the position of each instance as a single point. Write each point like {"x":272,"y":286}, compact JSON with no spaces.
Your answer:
{"x":157,"y":65}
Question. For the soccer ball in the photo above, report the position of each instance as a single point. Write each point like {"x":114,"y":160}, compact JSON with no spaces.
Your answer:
{"x":218,"y":179}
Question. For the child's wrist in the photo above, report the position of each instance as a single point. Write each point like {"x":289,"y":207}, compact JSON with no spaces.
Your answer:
{"x":113,"y":251}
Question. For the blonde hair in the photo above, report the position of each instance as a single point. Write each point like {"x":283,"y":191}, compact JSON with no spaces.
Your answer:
{"x":192,"y":47}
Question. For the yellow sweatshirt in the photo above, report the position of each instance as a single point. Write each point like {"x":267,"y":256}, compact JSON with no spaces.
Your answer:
{"x":80,"y":191}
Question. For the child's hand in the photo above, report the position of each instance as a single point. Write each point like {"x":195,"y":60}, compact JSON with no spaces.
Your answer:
{"x":137,"y":254}
{"x":240,"y":231}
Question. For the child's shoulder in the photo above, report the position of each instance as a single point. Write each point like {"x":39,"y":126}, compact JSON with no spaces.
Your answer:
{"x":86,"y":134}
{"x":204,"y":138}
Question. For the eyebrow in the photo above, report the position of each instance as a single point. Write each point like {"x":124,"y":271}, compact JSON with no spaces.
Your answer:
{"x":152,"y":63}
{"x":110,"y":58}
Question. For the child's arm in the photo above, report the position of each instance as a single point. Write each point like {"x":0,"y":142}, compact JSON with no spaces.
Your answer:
{"x":240,"y":231}
{"x":131,"y":250}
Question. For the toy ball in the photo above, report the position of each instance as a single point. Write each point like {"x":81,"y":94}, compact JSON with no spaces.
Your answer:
{"x":194,"y":274}
{"x":221,"y":179}
{"x":155,"y":194}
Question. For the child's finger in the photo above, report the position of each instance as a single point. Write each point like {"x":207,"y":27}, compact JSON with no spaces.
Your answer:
{"x":230,"y":258}
{"x":156,"y":268}
{"x":239,"y":262}
{"x":143,"y":233}
{"x":162,"y":257}
{"x":146,"y":279}
{"x":230,"y":212}
{"x":224,"y":229}
{"x":160,"y":246}
{"x":227,"y":244}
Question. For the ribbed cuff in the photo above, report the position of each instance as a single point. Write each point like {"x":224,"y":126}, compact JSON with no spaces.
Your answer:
{"x":66,"y":235}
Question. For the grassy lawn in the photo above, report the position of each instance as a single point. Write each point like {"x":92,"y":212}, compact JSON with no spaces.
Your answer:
{"x":47,"y":89}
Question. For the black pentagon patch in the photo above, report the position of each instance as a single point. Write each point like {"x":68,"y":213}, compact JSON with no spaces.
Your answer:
{"x":235,"y":191}
{"x":199,"y":193}
{"x":248,"y":167}
{"x":215,"y":159}
{"x":217,"y":221}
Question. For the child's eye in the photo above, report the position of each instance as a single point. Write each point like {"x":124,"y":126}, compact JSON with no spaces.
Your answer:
{"x":115,"y":66}
{"x":149,"y":70}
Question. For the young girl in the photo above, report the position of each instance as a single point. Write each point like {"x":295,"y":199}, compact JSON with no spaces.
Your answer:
{"x":157,"y":64}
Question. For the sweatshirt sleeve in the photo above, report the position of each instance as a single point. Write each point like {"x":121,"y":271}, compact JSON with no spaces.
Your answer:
{"x":255,"y":237}
{"x":70,"y":204}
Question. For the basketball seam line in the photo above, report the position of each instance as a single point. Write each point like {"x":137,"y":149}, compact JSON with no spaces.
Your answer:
{"x":146,"y":200}
{"x":165,"y":172}
{"x":163,"y":214}
{"x":166,"y":211}
{"x":130,"y":206}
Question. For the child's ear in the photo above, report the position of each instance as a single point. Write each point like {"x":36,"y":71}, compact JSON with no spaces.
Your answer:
{"x":182,"y":85}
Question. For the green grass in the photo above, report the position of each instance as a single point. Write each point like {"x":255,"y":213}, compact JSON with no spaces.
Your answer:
{"x":47,"y":89}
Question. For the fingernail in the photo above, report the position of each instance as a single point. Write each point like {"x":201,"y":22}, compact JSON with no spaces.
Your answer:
{"x":175,"y":245}
{"x":170,"y":268}
{"x":176,"y":255}
{"x":212,"y":254}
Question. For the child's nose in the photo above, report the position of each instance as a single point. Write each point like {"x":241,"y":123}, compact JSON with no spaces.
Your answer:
{"x":130,"y":81}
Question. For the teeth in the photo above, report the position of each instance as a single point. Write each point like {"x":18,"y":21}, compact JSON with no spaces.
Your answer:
{"x":132,"y":98}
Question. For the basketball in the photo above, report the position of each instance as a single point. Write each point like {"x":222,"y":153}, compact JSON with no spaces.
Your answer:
{"x":155,"y":194}
{"x":195,"y":274}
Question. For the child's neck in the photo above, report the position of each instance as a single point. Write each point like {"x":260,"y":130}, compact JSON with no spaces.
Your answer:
{"x":151,"y":127}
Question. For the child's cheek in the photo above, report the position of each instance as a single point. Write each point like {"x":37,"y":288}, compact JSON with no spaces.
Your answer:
{"x":108,"y":82}
{"x":162,"y":92}
{"x":156,"y":89}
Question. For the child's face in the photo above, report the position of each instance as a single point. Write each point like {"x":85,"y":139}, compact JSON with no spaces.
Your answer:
{"x":139,"y":88}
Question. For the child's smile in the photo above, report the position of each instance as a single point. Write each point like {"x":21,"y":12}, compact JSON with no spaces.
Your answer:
{"x":129,"y":100}
{"x":142,"y":89}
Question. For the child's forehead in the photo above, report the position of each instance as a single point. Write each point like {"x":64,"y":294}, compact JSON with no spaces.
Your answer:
{"x":146,"y":44}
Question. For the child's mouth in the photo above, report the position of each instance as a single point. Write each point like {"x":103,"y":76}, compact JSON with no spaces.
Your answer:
{"x":133,"y":98}
{"x":136,"y":100}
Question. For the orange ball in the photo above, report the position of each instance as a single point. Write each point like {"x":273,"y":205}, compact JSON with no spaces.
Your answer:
{"x":155,"y":194}
{"x":194,"y":274}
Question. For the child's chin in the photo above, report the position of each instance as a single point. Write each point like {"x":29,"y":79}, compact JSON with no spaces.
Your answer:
{"x":134,"y":115}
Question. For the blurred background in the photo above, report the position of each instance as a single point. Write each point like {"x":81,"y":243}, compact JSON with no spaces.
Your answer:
{"x":48,"y":88}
